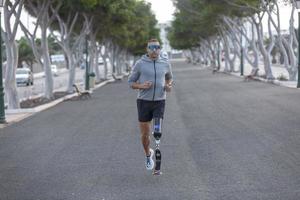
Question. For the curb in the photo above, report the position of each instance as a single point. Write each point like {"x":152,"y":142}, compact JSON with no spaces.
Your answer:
{"x":274,"y":82}
{"x":21,"y":114}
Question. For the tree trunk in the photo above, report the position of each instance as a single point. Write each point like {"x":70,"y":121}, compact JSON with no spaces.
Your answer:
{"x":46,"y":63}
{"x":254,"y":46}
{"x":285,"y":48}
{"x":11,"y":9}
{"x":266,"y":57}
{"x":92,"y":53}
{"x":72,"y":71}
{"x":231,"y":60}
{"x":104,"y":57}
{"x":10,"y":80}
{"x":97,"y":72}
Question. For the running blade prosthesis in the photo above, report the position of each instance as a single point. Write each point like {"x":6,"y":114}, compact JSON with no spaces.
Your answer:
{"x":157,"y":135}
{"x":157,"y":161}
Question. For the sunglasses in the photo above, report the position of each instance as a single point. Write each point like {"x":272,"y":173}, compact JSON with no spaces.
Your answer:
{"x":153,"y":47}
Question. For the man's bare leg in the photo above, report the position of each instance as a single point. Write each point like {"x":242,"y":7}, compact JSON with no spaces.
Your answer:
{"x":145,"y":135}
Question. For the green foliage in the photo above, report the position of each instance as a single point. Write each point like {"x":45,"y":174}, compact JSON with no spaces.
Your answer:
{"x":25,"y":52}
{"x":89,"y":3}
{"x":127,"y":23}
{"x":143,"y":28}
{"x":196,"y":20}
{"x":53,"y":45}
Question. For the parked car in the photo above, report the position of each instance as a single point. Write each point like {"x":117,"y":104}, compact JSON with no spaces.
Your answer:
{"x":54,"y":70}
{"x":24,"y":76}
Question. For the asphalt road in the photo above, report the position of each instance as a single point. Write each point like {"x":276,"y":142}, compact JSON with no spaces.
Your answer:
{"x":223,"y":139}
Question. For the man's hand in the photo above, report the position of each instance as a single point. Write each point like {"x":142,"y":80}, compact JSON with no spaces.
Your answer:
{"x":142,"y":86}
{"x":145,"y":85}
{"x":168,"y":87}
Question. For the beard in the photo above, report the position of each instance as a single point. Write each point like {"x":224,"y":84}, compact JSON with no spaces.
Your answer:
{"x":153,"y":55}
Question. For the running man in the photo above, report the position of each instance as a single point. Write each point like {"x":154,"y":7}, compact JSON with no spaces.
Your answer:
{"x":152,"y":76}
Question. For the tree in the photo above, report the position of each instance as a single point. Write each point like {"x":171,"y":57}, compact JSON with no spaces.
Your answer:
{"x":25,"y":53}
{"x":41,"y":10}
{"x":11,"y":9}
{"x":66,"y":23}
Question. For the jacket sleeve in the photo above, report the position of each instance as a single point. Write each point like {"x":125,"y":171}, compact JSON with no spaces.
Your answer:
{"x":135,"y":74}
{"x":169,"y":74}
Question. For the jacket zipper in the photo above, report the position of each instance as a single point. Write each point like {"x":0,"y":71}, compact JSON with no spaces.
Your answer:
{"x":154,"y":80}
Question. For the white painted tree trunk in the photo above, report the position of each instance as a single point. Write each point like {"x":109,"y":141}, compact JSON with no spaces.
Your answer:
{"x":205,"y":55}
{"x":48,"y":93}
{"x":11,"y":9}
{"x":285,"y":48}
{"x":10,"y":80}
{"x":97,"y":72}
{"x":293,"y":37}
{"x":31,"y":40}
{"x":104,"y":56}
{"x":293,"y":43}
{"x":232,"y":62}
{"x":122,"y":61}
{"x":231,"y":59}
{"x":201,"y":55}
{"x":78,"y":52}
{"x":212,"y":52}
{"x":113,"y":58}
{"x":73,"y":51}
{"x":118,"y":60}
{"x":226,"y":52}
{"x":188,"y":55}
{"x":93,"y":50}
{"x":266,"y":57}
{"x":41,"y":9}
{"x":72,"y":71}
{"x":254,"y":47}
{"x":194,"y":56}
{"x":234,"y":27}
{"x":209,"y":51}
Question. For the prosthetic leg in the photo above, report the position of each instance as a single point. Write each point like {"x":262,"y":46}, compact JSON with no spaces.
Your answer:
{"x":157,"y":132}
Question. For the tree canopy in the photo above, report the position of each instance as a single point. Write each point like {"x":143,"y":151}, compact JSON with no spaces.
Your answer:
{"x":197,"y":20}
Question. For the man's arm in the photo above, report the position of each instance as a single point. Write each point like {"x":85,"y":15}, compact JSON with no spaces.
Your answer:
{"x":133,"y":79}
{"x":134,"y":76}
{"x":169,"y":79}
{"x":145,"y":85}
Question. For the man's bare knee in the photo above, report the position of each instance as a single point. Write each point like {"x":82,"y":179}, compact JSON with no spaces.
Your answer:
{"x":145,"y":128}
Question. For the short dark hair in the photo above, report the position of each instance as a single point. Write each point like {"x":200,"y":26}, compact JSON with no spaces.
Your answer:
{"x":153,"y":40}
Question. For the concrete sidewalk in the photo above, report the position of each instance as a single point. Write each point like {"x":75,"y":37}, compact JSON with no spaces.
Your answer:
{"x":277,"y":70}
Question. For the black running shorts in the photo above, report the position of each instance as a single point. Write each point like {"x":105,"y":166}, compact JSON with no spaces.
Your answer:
{"x":147,"y":110}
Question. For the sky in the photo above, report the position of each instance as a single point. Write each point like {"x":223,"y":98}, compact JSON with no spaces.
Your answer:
{"x":163,"y":9}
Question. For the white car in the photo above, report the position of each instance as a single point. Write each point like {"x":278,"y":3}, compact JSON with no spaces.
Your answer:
{"x":54,"y":70}
{"x":24,"y":76}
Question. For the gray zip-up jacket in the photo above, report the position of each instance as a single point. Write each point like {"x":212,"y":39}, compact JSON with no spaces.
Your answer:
{"x":156,"y":71}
